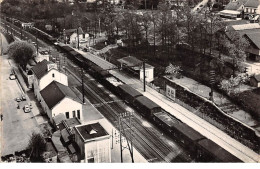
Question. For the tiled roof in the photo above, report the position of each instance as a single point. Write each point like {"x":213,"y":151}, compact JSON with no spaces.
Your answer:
{"x":55,"y":92}
{"x":254,"y":38}
{"x":40,"y":69}
{"x":235,"y":5}
{"x":91,"y":131}
{"x":252,"y":3}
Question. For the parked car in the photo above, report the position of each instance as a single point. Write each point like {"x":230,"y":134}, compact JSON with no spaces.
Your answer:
{"x":23,"y":97}
{"x":12,"y":77}
{"x":26,"y":109}
{"x":18,"y":99}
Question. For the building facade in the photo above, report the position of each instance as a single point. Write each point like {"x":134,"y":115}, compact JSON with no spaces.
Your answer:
{"x":57,"y":99}
{"x":94,"y":143}
{"x":44,"y":73}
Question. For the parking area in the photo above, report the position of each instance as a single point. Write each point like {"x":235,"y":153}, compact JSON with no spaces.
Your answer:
{"x":17,"y":125}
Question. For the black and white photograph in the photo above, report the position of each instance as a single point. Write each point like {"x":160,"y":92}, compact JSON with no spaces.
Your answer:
{"x":130,"y":81}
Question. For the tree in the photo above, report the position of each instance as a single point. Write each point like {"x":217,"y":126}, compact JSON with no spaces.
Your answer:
{"x":173,"y":70}
{"x":36,"y":147}
{"x":21,"y":52}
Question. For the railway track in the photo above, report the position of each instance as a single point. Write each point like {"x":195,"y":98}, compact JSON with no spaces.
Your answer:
{"x":146,"y":140}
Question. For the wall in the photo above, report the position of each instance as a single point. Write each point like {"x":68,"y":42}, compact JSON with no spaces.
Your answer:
{"x":150,"y":75}
{"x":67,"y":105}
{"x":253,"y":51}
{"x":47,"y":79}
{"x":100,"y":150}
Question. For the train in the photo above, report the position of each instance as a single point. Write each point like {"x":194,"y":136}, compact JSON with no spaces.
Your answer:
{"x":204,"y":149}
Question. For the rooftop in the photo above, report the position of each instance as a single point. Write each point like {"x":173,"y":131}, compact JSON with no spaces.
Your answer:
{"x":229,"y":12}
{"x":71,"y":122}
{"x":257,"y":77}
{"x":246,"y":26}
{"x":235,"y":5}
{"x":91,"y":131}
{"x":71,"y":31}
{"x":41,"y":68}
{"x":252,"y":3}
{"x":255,"y":39}
{"x":56,"y":92}
{"x":131,"y":61}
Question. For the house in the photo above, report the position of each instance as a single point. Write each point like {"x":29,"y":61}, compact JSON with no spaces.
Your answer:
{"x":233,"y":10}
{"x":136,"y":66}
{"x":71,"y":36}
{"x":254,"y":48}
{"x":57,"y":98}
{"x":252,"y":7}
{"x":255,"y":80}
{"x":94,"y":143}
{"x":44,"y":73}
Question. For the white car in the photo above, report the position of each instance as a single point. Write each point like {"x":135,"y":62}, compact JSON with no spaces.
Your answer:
{"x":18,"y":99}
{"x":12,"y":77}
{"x":26,"y":109}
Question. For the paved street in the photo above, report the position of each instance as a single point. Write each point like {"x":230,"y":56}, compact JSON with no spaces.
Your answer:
{"x":16,"y":125}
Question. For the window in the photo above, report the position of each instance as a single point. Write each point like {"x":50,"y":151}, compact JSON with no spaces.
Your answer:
{"x":246,"y":9}
{"x":53,"y":75}
{"x":78,"y":112}
{"x":74,"y":113}
{"x":254,"y":10}
{"x":67,"y":115}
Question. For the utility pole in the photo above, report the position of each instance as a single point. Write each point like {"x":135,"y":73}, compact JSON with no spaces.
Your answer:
{"x":144,"y":74}
{"x":21,"y":32}
{"x":37,"y":47}
{"x":78,"y":37}
{"x":123,"y":117}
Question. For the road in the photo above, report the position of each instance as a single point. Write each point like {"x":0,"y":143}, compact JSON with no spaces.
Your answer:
{"x":17,"y":125}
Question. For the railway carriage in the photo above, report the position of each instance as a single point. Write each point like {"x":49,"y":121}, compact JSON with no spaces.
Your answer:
{"x":128,"y":93}
{"x":212,"y":152}
{"x":146,"y":107}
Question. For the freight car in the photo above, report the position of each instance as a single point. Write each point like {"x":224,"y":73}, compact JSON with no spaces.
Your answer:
{"x":146,"y":107}
{"x":178,"y":131}
{"x":212,"y":152}
{"x":128,"y":93}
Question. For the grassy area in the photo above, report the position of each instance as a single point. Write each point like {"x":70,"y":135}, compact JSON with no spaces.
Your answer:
{"x":250,"y":100}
